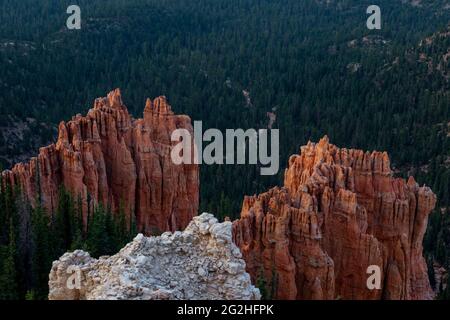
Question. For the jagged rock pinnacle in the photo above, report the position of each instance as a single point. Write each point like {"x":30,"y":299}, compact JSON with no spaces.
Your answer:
{"x":116,"y":159}
{"x":339,"y":211}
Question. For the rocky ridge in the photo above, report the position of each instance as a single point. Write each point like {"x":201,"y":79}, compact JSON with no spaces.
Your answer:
{"x":199,"y":263}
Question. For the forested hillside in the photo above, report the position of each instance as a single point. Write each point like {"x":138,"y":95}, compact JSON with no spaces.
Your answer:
{"x":312,"y":63}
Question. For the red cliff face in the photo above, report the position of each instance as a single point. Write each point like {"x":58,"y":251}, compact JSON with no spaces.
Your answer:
{"x":109,"y":157}
{"x":339,"y":212}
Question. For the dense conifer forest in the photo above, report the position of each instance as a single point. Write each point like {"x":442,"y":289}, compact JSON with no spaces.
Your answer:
{"x":312,"y":63}
{"x":31,"y":239}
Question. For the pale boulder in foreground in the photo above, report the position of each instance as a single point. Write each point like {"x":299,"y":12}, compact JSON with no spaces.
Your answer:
{"x":199,"y":263}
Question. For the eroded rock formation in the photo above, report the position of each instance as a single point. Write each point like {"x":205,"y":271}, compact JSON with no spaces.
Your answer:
{"x":201,"y":262}
{"x":109,"y":157}
{"x":338,"y":212}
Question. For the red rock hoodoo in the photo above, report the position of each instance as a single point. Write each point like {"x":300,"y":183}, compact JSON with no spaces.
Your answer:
{"x":109,"y":157}
{"x":339,"y":212}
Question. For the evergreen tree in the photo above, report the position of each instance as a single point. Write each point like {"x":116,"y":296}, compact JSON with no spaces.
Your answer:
{"x":78,"y":234}
{"x":133,"y":230}
{"x":98,"y":238}
{"x":431,"y":274}
{"x":44,"y":251}
{"x":122,"y":231}
{"x":64,"y":225}
{"x":8,"y":275}
{"x":274,"y":284}
{"x":261,"y":284}
{"x":25,"y":240}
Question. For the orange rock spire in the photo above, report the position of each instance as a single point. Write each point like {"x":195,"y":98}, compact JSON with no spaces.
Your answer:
{"x":339,"y":212}
{"x":109,"y":157}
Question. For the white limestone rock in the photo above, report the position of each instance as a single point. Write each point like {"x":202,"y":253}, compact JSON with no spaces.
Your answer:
{"x":201,"y":262}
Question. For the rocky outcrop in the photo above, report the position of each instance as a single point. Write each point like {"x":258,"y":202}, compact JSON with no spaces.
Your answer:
{"x":200,"y":263}
{"x":111,"y":158}
{"x":339,"y":212}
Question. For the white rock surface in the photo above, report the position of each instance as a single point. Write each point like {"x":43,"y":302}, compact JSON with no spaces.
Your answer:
{"x":201,"y":262}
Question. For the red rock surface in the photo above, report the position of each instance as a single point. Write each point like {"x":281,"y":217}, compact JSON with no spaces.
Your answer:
{"x":109,"y":157}
{"x":339,"y":211}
